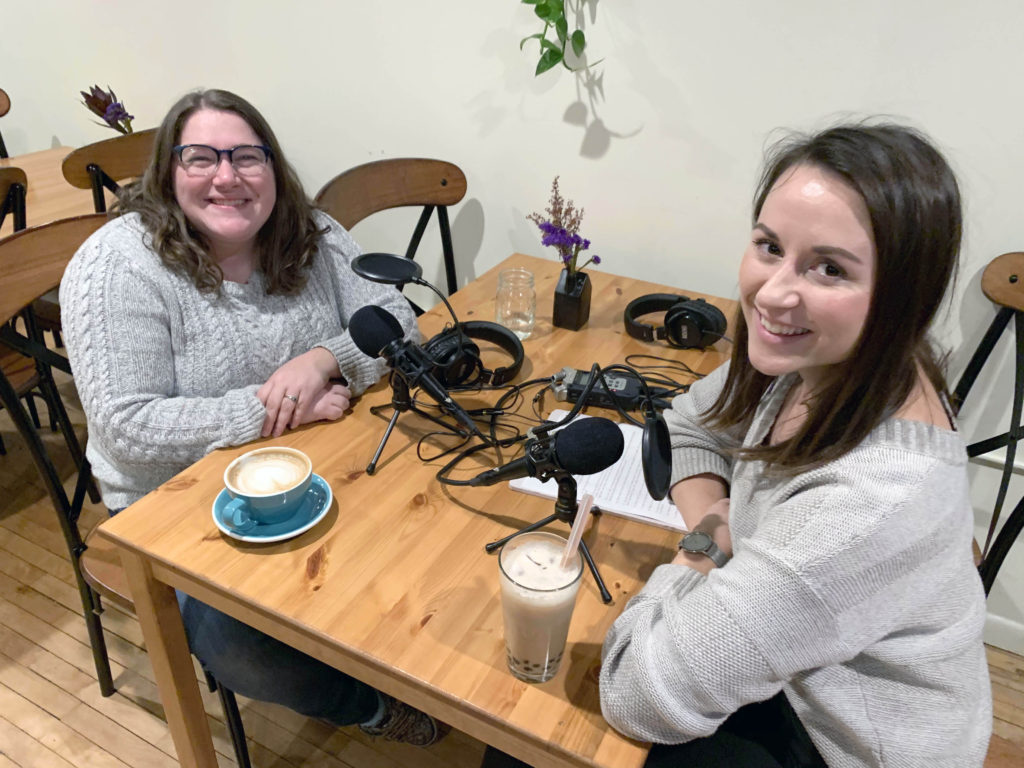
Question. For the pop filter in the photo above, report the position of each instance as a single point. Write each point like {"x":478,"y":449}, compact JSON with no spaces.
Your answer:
{"x":656,"y":455}
{"x":387,"y":268}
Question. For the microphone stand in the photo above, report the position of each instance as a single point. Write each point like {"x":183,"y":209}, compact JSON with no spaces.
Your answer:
{"x":400,"y":403}
{"x":566,"y":507}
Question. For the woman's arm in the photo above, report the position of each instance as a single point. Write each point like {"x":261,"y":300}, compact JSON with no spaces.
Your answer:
{"x":305,"y":376}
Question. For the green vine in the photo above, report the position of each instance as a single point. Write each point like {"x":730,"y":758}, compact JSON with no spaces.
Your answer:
{"x":552,"y":52}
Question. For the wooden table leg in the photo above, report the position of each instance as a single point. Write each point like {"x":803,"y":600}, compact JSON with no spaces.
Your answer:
{"x":157,"y":609}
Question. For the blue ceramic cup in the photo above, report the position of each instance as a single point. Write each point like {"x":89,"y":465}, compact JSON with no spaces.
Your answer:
{"x":266,"y":486}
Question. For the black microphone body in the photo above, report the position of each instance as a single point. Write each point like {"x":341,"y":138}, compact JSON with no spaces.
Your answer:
{"x":377,"y":333}
{"x":584,"y":447}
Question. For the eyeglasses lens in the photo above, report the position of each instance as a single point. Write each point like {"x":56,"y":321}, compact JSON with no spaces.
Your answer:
{"x":199,"y":160}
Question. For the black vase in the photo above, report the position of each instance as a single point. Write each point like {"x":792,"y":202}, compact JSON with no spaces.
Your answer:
{"x":572,"y":300}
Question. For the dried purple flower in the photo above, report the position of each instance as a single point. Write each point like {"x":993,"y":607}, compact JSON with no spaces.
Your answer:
{"x":561,"y":230}
{"x":105,"y":105}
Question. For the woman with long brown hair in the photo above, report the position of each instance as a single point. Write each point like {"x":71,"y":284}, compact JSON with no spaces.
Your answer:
{"x":824,"y":608}
{"x":211,"y":311}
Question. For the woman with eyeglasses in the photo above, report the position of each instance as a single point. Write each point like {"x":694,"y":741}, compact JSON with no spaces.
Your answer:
{"x":212,"y":311}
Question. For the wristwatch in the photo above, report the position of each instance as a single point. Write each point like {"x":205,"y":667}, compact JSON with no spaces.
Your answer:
{"x":700,"y":543}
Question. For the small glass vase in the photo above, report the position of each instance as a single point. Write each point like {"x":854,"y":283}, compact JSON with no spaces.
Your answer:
{"x":572,"y":300}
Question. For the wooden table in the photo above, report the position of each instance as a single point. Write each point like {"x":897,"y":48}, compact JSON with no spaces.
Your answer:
{"x":49,"y":196}
{"x":393,"y":586}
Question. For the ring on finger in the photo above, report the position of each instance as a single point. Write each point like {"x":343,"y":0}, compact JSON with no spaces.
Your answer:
{"x":293,"y":398}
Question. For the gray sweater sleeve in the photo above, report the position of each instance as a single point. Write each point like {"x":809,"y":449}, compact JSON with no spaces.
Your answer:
{"x":336,"y":251}
{"x":695,"y":449}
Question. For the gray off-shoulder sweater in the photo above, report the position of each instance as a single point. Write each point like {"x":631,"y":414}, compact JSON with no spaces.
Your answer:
{"x":852,"y":589}
{"x":166,"y":374}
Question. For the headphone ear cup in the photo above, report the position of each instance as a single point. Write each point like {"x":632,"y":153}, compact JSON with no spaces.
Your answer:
{"x":456,"y":358}
{"x":714,"y":322}
{"x":694,"y":323}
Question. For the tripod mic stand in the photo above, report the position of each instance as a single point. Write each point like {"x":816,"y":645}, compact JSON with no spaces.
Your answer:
{"x":400,"y":403}
{"x":565,"y":510}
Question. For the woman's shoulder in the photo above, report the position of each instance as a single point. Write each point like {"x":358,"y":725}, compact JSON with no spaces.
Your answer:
{"x":123,"y":239}
{"x":334,"y":238}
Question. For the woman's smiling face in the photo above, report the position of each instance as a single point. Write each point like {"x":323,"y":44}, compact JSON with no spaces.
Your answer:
{"x":807,"y":275}
{"x":227,"y":208}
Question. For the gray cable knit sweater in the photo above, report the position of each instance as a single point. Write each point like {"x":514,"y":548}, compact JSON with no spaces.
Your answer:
{"x":851,"y":588}
{"x":166,"y":374}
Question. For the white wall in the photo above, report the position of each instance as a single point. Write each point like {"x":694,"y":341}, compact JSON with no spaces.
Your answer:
{"x":661,"y":144}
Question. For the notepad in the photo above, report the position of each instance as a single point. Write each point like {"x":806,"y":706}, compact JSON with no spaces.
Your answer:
{"x":618,"y":490}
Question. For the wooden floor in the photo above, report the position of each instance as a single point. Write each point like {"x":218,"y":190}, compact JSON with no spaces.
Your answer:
{"x":52,"y":714}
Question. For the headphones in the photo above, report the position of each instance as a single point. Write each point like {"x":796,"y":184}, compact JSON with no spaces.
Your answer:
{"x":457,"y":360}
{"x":689,"y":323}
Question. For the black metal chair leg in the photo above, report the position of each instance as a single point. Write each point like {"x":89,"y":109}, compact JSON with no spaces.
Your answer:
{"x":235,"y":727}
{"x":232,"y":718}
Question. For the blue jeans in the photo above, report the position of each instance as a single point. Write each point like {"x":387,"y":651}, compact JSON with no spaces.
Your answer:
{"x":257,"y":666}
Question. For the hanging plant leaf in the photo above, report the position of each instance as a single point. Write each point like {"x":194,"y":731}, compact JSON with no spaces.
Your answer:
{"x":579,"y":42}
{"x":562,"y":30}
{"x":538,"y":36}
{"x":548,"y":59}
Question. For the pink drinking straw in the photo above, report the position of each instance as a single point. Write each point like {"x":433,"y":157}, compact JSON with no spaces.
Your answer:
{"x":582,"y":516}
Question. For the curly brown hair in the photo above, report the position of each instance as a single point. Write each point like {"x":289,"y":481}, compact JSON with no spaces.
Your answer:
{"x":286,"y":243}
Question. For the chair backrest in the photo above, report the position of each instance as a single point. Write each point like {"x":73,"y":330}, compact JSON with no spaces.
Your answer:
{"x":353,"y":195}
{"x":5,"y":106}
{"x":33,"y":260}
{"x":104,"y":163}
{"x":1003,"y":283}
{"x":13,"y":188}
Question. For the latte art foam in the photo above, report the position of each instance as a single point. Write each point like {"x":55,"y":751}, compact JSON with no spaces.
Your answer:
{"x":270,"y":472}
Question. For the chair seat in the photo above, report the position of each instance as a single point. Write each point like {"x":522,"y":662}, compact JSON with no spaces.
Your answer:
{"x":102,"y":570}
{"x":19,"y":370}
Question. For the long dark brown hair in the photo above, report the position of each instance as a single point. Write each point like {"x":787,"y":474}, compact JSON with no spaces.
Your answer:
{"x":286,"y":243}
{"x":913,"y":200}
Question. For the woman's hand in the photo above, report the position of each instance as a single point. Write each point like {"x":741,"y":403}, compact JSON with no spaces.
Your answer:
{"x":330,"y":403}
{"x":294,"y":389}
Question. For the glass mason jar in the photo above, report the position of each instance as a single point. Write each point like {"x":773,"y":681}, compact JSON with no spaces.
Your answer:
{"x":516,"y":301}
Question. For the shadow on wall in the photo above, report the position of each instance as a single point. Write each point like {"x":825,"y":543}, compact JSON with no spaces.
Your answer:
{"x":468,"y":238}
{"x":597,"y":138}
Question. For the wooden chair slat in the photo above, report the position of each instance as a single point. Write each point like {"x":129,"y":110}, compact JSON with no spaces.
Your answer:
{"x":122,"y":157}
{"x":354,"y":194}
{"x":1003,"y":280}
{"x":33,"y":260}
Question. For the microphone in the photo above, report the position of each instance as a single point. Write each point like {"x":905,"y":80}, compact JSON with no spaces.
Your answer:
{"x":582,"y":448}
{"x":377,"y":333}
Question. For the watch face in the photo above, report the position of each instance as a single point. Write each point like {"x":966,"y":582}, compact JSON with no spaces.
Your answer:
{"x":698,"y":541}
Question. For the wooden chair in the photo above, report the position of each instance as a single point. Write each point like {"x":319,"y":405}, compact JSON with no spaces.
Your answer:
{"x":28,"y":379}
{"x":101,"y":165}
{"x":13,"y":189}
{"x":32,"y":262}
{"x":353,"y":195}
{"x":5,"y":107}
{"x":1003,"y":283}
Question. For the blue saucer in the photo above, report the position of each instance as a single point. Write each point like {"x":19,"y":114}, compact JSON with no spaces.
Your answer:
{"x":310,"y":512}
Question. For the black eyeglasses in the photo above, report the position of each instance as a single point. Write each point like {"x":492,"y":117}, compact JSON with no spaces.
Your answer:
{"x":203,"y":160}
